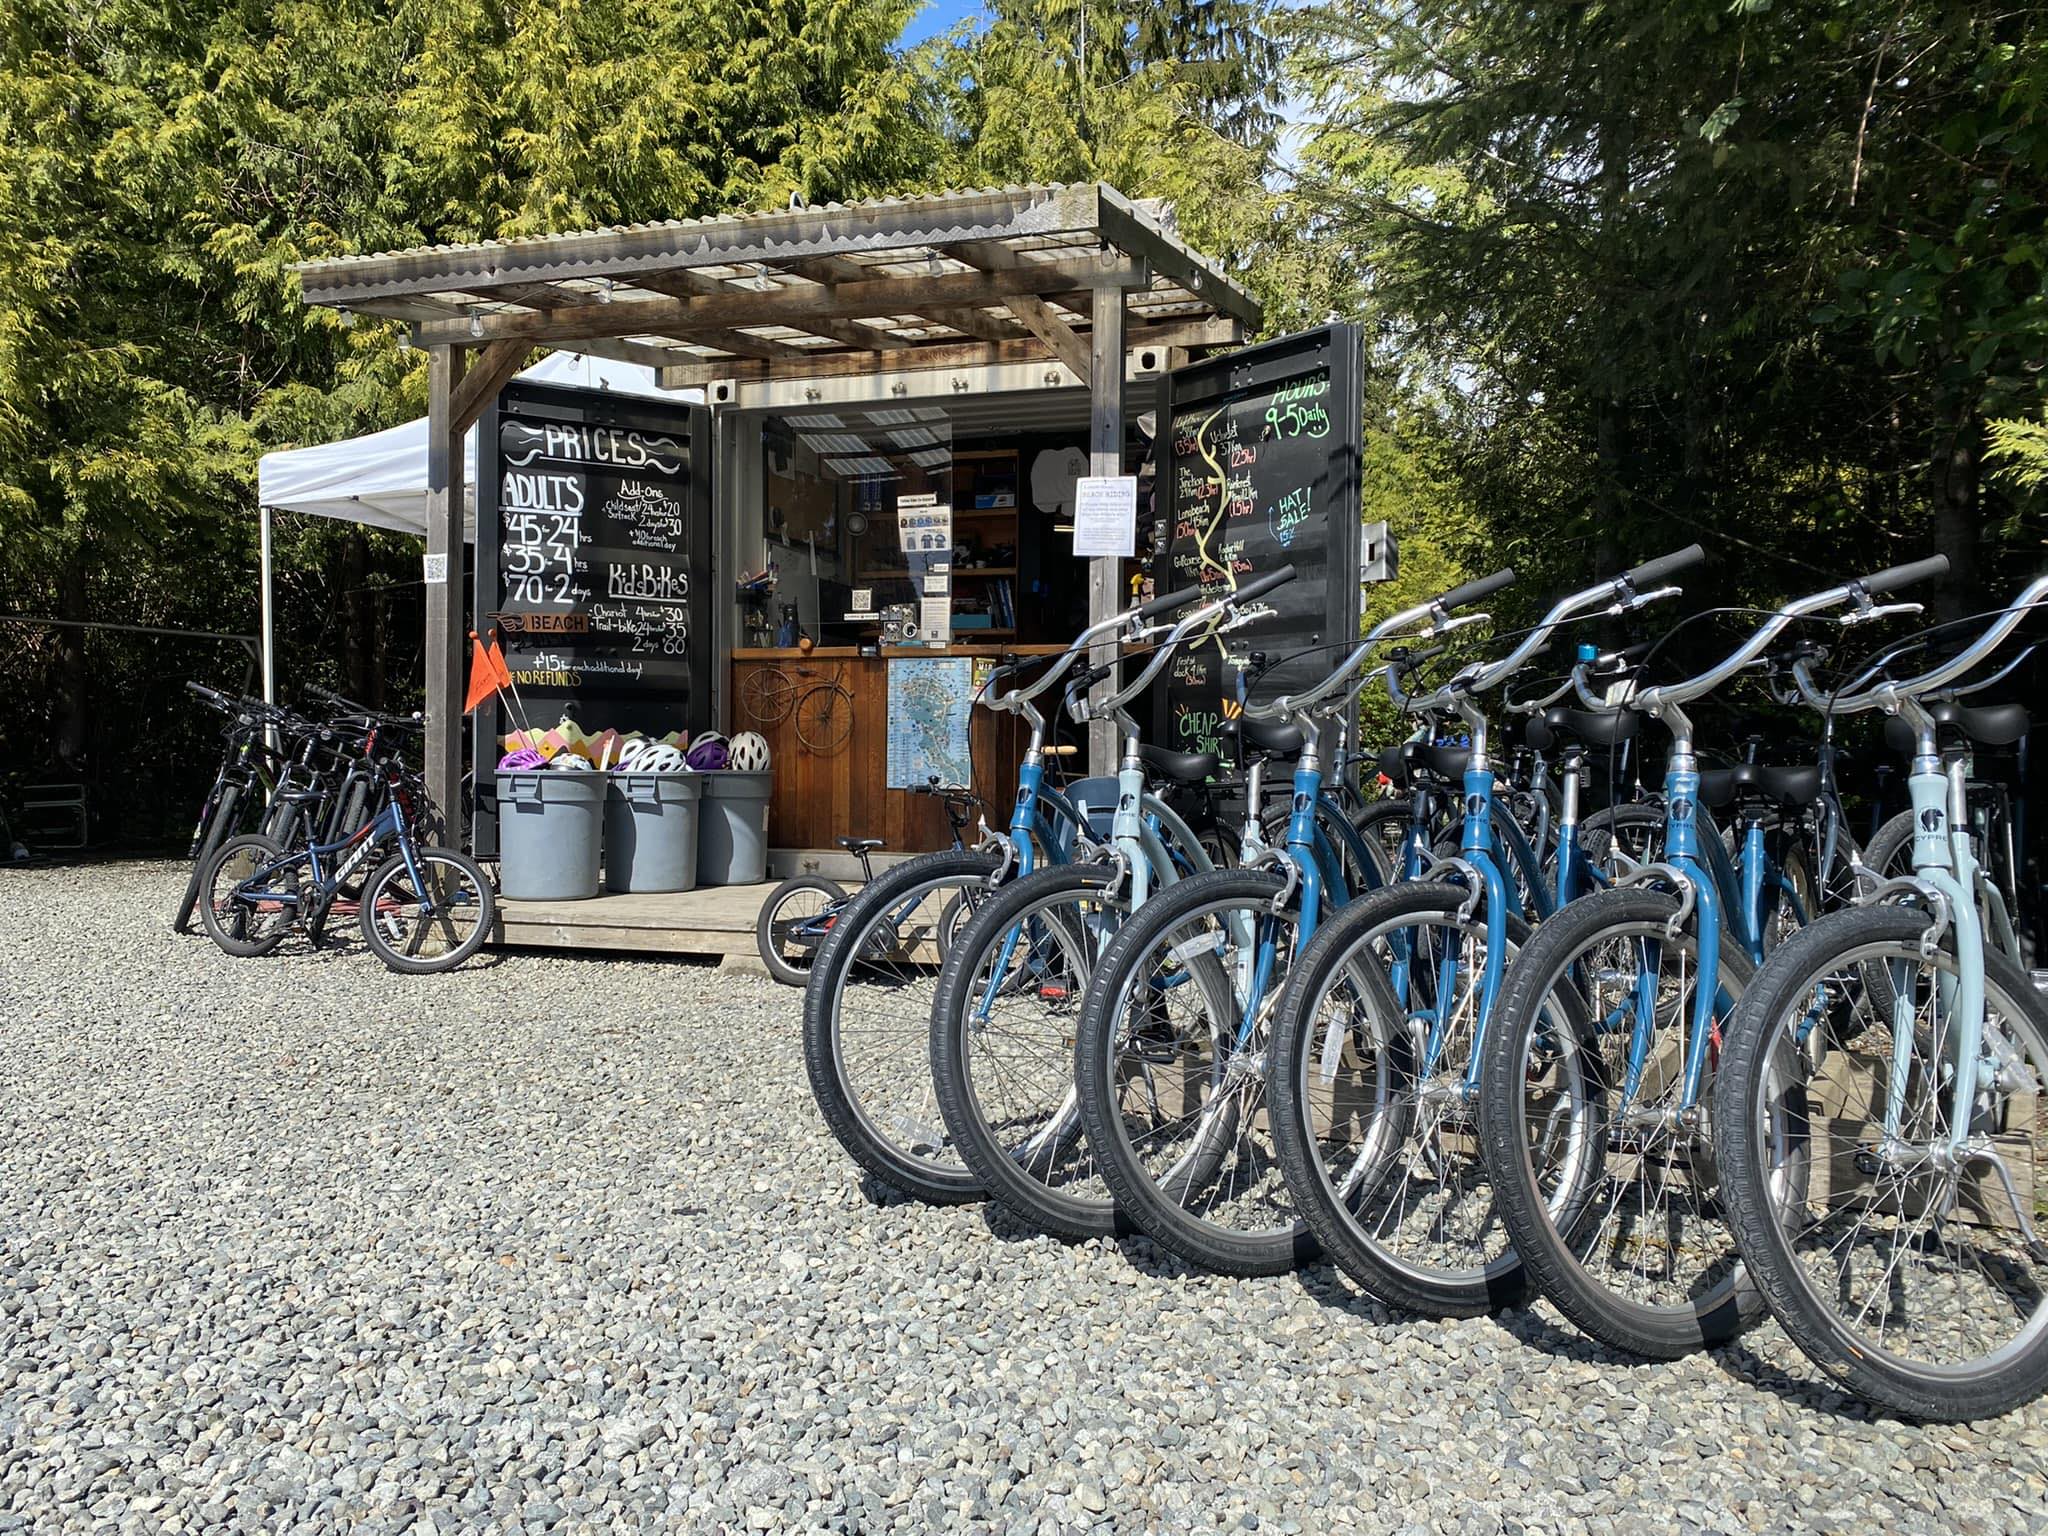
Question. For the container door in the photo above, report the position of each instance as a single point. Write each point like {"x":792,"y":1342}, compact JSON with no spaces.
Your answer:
{"x":1259,"y":468}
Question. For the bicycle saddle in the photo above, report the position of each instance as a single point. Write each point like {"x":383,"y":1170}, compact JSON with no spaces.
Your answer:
{"x":1995,"y":725}
{"x":1273,"y":738}
{"x":1181,"y":767}
{"x":1603,"y":728}
{"x":1443,"y":762}
{"x":860,"y":845}
{"x":1787,"y":786}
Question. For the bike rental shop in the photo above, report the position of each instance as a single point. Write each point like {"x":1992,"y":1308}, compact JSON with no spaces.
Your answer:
{"x":783,"y":489}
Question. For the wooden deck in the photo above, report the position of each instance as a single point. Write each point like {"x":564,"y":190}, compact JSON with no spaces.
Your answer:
{"x":712,"y":922}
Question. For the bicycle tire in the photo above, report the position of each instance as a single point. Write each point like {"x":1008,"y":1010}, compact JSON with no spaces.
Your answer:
{"x":824,"y":729}
{"x":1633,"y":821}
{"x":1159,"y":1204}
{"x":1556,"y":955}
{"x":220,"y":821}
{"x":767,"y":695}
{"x":771,"y":930}
{"x":226,"y":925}
{"x":374,"y":912}
{"x":1843,"y":942}
{"x":861,"y":952}
{"x":1028,"y":1157}
{"x":1360,"y":1241}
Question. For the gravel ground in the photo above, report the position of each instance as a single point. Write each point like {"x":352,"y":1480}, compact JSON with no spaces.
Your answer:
{"x":560,"y":1244}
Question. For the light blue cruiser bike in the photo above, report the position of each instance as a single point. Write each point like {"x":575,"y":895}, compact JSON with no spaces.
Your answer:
{"x":1003,"y":1019}
{"x":868,"y":1001}
{"x":1170,"y":1054}
{"x":1880,"y":1120}
{"x":1375,"y":1041}
{"x":1596,"y":1077}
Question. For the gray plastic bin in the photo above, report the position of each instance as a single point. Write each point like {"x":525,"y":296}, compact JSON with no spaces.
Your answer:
{"x":732,"y":828}
{"x":650,"y":831}
{"x":550,"y":833}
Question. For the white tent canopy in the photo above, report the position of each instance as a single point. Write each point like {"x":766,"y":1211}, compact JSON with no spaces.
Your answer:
{"x":380,"y":479}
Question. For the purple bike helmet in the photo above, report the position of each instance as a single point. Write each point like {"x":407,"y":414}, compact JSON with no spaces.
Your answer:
{"x":708,"y":753}
{"x":525,"y":757}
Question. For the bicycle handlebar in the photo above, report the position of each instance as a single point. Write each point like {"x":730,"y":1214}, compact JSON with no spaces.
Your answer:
{"x":1650,"y":701}
{"x":1430,"y":616}
{"x":1905,"y":575}
{"x":1665,"y":565}
{"x":1887,"y":695}
{"x":1235,"y":602}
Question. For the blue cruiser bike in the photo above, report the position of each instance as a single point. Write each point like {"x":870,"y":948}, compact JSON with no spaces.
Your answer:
{"x":1879,"y":1118}
{"x":1170,"y":1053}
{"x":1596,"y":1077}
{"x":1374,"y":1045}
{"x":875,"y":972}
{"x":1002,"y":1023}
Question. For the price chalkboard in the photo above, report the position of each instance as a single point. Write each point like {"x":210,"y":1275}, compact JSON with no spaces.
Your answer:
{"x":1258,"y":468}
{"x":599,"y":563}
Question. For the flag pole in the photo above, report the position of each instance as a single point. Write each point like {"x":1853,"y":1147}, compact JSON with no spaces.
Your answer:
{"x":525,"y":720}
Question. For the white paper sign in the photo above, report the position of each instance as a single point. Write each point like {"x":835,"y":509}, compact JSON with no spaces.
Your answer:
{"x":1106,"y":515}
{"x":937,"y":584}
{"x":436,"y":570}
{"x":935,"y":620}
{"x":923,"y":527}
{"x":863,"y":599}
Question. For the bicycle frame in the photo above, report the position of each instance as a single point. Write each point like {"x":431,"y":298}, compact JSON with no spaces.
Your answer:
{"x":387,"y":826}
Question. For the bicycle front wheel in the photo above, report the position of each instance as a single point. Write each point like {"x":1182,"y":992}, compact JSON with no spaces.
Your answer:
{"x":1373,"y":1109}
{"x":428,"y":914}
{"x":1596,"y":1131}
{"x":867,"y":1025}
{"x":1170,"y":1061}
{"x":1002,"y":1045}
{"x":824,"y":718}
{"x":219,"y":819}
{"x":1899,"y":1249}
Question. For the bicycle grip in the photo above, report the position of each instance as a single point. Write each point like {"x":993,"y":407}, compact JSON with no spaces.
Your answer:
{"x":1656,"y":570}
{"x":1167,"y":602}
{"x":1905,"y":575}
{"x":1479,"y":590}
{"x":212,"y":696}
{"x":1257,"y":588}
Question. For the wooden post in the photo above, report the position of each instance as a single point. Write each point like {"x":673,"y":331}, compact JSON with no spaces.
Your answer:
{"x":1105,"y":457}
{"x":444,"y":582}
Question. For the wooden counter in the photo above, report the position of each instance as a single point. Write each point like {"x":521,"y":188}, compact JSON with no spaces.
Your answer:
{"x":820,"y":799}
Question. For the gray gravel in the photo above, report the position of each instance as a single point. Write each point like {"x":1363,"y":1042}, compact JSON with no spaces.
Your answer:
{"x":560,"y":1244}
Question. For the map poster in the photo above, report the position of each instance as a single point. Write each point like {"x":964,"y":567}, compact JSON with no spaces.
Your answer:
{"x":930,"y":704}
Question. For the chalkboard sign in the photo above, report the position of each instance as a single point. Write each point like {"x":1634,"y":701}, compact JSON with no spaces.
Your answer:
{"x":600,"y":561}
{"x":1258,"y":468}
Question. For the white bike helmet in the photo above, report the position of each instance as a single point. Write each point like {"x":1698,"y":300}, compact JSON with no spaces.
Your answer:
{"x":571,"y":761}
{"x":749,"y":752}
{"x":641,"y":756}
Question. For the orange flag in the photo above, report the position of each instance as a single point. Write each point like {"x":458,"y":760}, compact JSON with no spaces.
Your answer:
{"x":501,"y":675}
{"x":483,"y":674}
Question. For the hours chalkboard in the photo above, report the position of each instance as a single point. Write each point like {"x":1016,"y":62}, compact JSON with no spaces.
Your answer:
{"x":1258,"y":468}
{"x":600,"y":562}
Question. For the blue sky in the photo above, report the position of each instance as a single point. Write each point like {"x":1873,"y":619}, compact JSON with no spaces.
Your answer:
{"x":938,"y":16}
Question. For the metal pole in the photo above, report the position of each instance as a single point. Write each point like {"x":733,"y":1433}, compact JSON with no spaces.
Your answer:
{"x":1105,"y":457}
{"x":267,"y":603}
{"x":444,"y":585}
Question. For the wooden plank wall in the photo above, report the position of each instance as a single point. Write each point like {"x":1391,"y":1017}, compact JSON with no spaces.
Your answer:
{"x":819,"y":799}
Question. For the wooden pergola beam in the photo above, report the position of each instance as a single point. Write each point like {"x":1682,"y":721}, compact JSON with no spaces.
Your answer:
{"x":881,"y":226}
{"x":692,"y":317}
{"x":1049,"y":328}
{"x":941,"y":354}
{"x":978,"y":323}
{"x":492,"y":370}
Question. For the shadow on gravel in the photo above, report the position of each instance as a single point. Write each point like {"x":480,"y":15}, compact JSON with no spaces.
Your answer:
{"x":1006,"y":1226}
{"x":884,"y":1197}
{"x":1815,"y":1393}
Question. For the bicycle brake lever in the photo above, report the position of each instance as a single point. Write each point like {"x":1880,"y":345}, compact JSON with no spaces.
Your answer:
{"x":1865,"y":614}
{"x":1637,"y":600}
